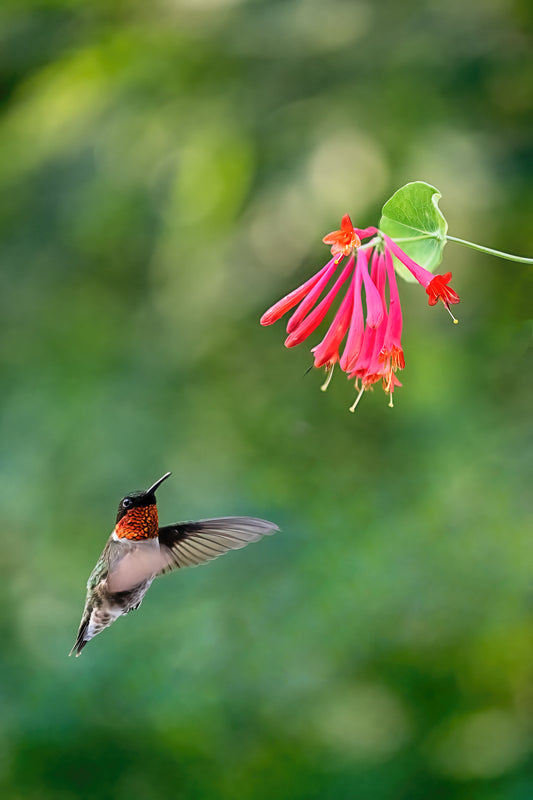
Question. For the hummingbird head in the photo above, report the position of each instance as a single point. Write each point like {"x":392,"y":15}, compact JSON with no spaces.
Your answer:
{"x":137,"y":514}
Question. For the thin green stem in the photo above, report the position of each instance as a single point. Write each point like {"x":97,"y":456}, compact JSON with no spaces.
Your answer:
{"x":490,"y":251}
{"x":375,"y":240}
{"x":479,"y":247}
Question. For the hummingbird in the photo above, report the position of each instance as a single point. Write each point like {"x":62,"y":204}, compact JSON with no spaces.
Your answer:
{"x":138,"y":550}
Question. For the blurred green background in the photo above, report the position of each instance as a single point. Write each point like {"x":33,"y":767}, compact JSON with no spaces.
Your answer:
{"x":168,"y":170}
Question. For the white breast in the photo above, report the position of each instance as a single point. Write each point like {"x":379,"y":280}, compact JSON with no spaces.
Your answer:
{"x":140,"y":562}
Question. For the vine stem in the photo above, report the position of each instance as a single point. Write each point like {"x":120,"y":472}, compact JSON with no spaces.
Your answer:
{"x":481,"y":248}
{"x":490,"y":251}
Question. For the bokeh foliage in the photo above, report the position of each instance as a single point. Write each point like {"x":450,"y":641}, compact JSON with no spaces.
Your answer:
{"x":168,"y":170}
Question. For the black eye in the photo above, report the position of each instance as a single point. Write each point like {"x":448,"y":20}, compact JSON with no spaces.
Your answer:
{"x":127,"y":502}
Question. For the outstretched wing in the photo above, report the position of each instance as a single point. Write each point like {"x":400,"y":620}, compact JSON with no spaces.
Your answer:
{"x":187,"y":544}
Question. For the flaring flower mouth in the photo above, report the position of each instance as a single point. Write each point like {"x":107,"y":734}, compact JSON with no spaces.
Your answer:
{"x":438,"y":289}
{"x":373,"y":350}
{"x":345,"y":241}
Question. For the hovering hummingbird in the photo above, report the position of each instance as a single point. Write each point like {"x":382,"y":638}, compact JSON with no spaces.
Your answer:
{"x":139,"y":550}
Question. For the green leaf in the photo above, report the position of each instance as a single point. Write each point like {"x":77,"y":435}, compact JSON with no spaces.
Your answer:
{"x":411,"y":212}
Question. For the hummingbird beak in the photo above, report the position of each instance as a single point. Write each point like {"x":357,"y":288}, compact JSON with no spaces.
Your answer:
{"x":158,"y":483}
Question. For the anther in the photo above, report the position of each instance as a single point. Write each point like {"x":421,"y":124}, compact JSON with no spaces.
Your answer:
{"x":448,"y":309}
{"x":328,"y":379}
{"x":352,"y":408}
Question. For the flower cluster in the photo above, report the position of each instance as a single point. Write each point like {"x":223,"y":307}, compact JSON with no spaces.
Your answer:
{"x":373,"y":350}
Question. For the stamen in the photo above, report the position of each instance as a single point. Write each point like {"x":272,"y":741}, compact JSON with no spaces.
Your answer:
{"x":328,"y":379}
{"x":391,"y":404}
{"x":448,"y":309}
{"x":352,"y":408}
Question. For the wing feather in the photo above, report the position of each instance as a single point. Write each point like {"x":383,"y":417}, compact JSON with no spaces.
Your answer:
{"x":188,"y":544}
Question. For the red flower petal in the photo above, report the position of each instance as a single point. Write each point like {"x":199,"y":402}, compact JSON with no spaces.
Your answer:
{"x":343,"y":241}
{"x":439,"y":290}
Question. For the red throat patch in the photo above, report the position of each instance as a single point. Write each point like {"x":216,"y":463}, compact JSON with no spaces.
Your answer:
{"x":139,"y":523}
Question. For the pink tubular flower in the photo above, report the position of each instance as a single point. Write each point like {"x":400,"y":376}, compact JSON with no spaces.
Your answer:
{"x":299,"y":328}
{"x":435,"y":285}
{"x":327,"y":352}
{"x":356,"y":327}
{"x":391,"y":354}
{"x":290,"y":300}
{"x":369,"y":315}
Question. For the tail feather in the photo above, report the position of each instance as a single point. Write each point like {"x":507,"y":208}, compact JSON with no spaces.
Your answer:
{"x":81,"y":641}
